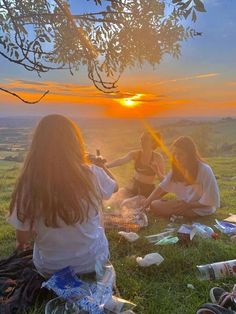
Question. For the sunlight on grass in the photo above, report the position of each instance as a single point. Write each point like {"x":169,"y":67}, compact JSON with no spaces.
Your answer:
{"x":161,"y":288}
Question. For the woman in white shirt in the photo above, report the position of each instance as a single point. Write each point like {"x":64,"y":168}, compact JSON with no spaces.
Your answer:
{"x":57,"y":200}
{"x":191,"y":180}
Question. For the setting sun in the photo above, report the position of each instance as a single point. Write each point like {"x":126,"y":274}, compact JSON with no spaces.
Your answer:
{"x":131,"y":101}
{"x":128,"y":102}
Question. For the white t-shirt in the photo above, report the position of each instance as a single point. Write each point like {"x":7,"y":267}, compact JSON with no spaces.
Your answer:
{"x":79,"y":246}
{"x":204,"y":190}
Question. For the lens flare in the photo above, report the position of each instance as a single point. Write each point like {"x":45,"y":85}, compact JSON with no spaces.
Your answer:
{"x":131,"y":102}
{"x":168,"y":153}
{"x":128,"y":102}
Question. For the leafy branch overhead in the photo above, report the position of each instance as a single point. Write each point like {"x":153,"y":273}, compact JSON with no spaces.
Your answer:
{"x":116,"y":34}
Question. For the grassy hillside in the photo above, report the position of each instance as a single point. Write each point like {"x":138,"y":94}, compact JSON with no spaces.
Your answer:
{"x":157,"y":289}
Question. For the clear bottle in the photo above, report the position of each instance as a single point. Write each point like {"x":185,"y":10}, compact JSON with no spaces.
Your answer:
{"x":217,"y":270}
{"x":99,"y":157}
{"x":205,"y":231}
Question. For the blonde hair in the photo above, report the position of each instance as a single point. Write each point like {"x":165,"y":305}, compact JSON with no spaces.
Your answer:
{"x":186,"y":144}
{"x":56,"y":182}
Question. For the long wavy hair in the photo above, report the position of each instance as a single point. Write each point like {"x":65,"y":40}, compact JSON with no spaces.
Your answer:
{"x":186,"y":173}
{"x":155,"y":137}
{"x":56,"y":183}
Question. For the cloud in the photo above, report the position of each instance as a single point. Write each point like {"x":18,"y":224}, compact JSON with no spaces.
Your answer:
{"x":232,"y":84}
{"x":195,"y":77}
{"x":157,"y":99}
{"x":55,"y":88}
{"x":26,"y":82}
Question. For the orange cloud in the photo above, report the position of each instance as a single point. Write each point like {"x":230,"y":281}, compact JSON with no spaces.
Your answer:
{"x":202,"y":94}
{"x":231,"y":84}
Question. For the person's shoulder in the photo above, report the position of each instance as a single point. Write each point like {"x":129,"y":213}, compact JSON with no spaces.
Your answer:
{"x":205,"y":168}
{"x":94,"y":169}
{"x":98,"y":173}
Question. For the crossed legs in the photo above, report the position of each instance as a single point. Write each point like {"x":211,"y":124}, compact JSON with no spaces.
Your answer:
{"x":166,"y":208}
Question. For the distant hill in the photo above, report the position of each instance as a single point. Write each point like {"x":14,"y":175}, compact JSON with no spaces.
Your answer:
{"x":114,"y":137}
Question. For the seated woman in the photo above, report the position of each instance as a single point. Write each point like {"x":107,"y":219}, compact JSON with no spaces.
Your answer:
{"x":58,"y":200}
{"x":148,"y":165}
{"x":191,"y":180}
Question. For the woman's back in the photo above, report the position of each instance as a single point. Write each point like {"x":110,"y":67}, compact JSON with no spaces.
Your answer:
{"x":63,"y":205}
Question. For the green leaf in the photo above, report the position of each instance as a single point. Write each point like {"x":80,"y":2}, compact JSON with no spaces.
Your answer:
{"x":16,"y":54}
{"x":47,"y":38}
{"x":187,"y":13}
{"x":194,"y":16}
{"x":199,"y":6}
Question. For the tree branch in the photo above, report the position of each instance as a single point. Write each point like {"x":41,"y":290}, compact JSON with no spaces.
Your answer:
{"x":25,"y":101}
{"x":91,"y":51}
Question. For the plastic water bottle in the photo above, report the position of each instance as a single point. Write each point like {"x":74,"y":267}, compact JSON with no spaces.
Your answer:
{"x":217,"y":270}
{"x":99,"y":157}
{"x":205,"y":231}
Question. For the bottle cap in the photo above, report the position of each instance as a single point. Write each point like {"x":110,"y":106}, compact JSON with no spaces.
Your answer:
{"x":215,"y":235}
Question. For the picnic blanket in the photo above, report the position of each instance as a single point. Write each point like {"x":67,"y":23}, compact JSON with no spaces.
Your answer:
{"x":20,"y":283}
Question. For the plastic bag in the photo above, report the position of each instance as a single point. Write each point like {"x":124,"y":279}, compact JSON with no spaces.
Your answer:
{"x":167,"y":240}
{"x":118,"y":305}
{"x":77,"y":296}
{"x":150,"y":259}
{"x":141,"y":219}
{"x":130,"y":236}
{"x":60,"y":306}
{"x":157,"y":237}
{"x":132,"y":209}
{"x":226,"y":227}
{"x":133,"y":202}
{"x":67,"y":285}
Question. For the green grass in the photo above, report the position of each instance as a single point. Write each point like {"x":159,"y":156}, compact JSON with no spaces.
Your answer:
{"x":156,"y":289}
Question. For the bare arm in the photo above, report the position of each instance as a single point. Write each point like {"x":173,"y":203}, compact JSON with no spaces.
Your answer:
{"x":155,"y":195}
{"x":23,"y":239}
{"x":121,"y":161}
{"x":101,"y":164}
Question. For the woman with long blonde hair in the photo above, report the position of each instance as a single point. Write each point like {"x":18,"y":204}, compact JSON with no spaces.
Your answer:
{"x":191,"y":180}
{"x":57,"y":200}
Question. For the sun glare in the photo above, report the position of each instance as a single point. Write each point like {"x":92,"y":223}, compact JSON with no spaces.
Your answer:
{"x":131,"y":101}
{"x":128,"y":102}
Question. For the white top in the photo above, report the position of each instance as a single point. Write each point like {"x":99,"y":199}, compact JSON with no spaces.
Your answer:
{"x":79,"y":246}
{"x":204,"y":190}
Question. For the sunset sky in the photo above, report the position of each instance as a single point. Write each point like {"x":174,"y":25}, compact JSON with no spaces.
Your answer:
{"x":201,"y":83}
